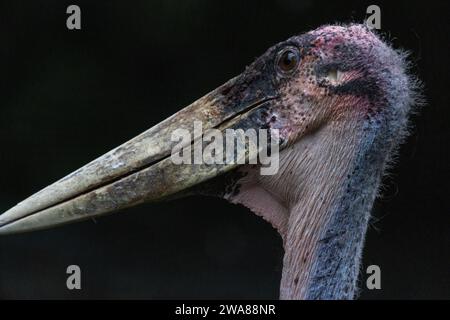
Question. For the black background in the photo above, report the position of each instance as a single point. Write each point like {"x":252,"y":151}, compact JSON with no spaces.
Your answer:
{"x":67,"y":97}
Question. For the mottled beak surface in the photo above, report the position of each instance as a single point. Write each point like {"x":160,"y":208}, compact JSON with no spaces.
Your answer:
{"x":141,"y":170}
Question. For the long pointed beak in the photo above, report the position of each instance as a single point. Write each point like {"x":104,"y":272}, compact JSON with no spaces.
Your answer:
{"x":141,"y":169}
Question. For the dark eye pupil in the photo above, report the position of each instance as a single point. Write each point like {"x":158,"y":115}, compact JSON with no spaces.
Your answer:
{"x":288,"y":61}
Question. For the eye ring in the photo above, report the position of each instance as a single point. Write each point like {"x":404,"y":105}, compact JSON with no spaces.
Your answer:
{"x":288,"y":60}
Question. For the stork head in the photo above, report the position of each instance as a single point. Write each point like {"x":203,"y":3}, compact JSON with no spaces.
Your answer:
{"x":338,"y":96}
{"x":334,"y":74}
{"x":341,"y":92}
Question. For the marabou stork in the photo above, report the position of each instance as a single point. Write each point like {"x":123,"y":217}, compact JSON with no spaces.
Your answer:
{"x":340,"y":98}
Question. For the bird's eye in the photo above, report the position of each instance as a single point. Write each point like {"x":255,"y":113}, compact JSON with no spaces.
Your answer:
{"x":288,"y":60}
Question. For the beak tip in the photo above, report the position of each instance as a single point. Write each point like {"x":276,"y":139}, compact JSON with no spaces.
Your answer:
{"x":4,"y":230}
{"x":11,"y":228}
{"x":8,"y":225}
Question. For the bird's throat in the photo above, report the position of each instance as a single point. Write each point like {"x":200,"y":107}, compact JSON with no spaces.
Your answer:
{"x":320,"y":202}
{"x":327,"y":224}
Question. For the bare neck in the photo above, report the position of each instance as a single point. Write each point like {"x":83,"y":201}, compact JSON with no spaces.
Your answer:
{"x":320,"y":202}
{"x":327,"y":224}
